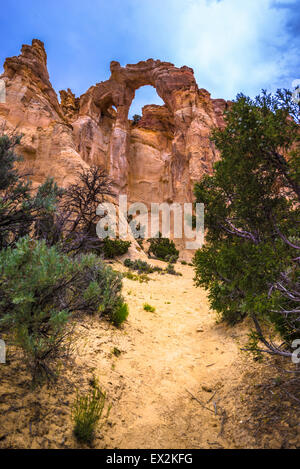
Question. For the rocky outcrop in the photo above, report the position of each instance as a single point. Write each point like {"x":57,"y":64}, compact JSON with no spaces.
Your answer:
{"x":32,"y":108}
{"x":156,"y":160}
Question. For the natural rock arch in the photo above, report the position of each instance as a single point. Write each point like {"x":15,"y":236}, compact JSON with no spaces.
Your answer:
{"x":175,"y":86}
{"x":119,"y":90}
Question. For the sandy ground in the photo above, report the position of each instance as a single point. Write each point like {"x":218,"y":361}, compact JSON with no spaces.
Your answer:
{"x":179,"y":381}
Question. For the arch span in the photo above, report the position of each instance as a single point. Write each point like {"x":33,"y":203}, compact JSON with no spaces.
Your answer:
{"x":190,"y":108}
{"x":119,"y":90}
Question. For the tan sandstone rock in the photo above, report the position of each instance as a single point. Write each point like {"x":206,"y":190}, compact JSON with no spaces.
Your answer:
{"x":157,"y":160}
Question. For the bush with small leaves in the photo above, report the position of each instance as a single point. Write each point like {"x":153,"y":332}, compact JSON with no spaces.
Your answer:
{"x":22,"y":210}
{"x":170,"y":270}
{"x":142,"y":278}
{"x":141,"y":266}
{"x":163,"y":249}
{"x":114,"y":247}
{"x":149,"y":308}
{"x":87,"y":412}
{"x":250,"y":262}
{"x":120,"y":314}
{"x":40,"y":288}
{"x":136,"y":119}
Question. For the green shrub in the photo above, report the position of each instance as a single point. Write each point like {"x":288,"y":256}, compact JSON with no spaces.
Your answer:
{"x":172,"y":259}
{"x":40,"y":288}
{"x":163,"y":249}
{"x":116,"y":352}
{"x":170,"y":270}
{"x":114,"y":247}
{"x":183,"y":262}
{"x":86,"y":413}
{"x":136,"y":119}
{"x":142,"y":278}
{"x":141,"y":266}
{"x":120,"y":314}
{"x":149,"y":308}
{"x":21,"y":209}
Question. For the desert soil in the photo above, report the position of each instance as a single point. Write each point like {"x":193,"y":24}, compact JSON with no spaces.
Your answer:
{"x":179,"y":380}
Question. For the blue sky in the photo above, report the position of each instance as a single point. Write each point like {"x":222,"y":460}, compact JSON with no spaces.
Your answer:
{"x":232,"y":45}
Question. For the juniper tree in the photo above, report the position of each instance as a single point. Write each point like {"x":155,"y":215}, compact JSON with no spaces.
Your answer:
{"x":21,"y":208}
{"x":250,"y":262}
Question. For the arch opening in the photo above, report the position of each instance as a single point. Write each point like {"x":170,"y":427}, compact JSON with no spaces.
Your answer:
{"x":144,"y":95}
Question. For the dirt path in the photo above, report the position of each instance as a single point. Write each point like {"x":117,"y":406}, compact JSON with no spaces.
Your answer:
{"x":165,"y":354}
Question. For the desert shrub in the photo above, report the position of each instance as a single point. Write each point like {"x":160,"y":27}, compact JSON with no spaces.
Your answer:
{"x":21,"y":208}
{"x":119,"y":314}
{"x":172,"y":259}
{"x":149,"y":308}
{"x":128,"y":263}
{"x":183,"y":262}
{"x":141,"y":266}
{"x":170,"y":270}
{"x":142,"y":278}
{"x":136,"y":119}
{"x":40,"y":288}
{"x":116,"y":352}
{"x":250,"y":262}
{"x":114,"y":247}
{"x":140,"y":242}
{"x":73,"y":227}
{"x":163,"y":249}
{"x":87,"y":412}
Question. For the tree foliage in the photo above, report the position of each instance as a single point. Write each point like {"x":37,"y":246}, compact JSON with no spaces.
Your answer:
{"x":250,"y":262}
{"x":163,"y":248}
{"x":21,"y":208}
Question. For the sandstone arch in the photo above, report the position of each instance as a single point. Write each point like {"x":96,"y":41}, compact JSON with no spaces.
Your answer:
{"x":183,"y":100}
{"x":165,"y":153}
{"x":119,"y":90}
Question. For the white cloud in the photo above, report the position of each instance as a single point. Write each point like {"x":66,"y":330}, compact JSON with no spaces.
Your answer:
{"x":233,"y":45}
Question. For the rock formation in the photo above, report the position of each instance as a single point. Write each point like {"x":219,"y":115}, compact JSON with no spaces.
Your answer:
{"x":156,"y":160}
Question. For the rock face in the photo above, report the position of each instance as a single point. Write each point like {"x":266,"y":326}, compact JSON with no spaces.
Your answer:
{"x":156,"y":160}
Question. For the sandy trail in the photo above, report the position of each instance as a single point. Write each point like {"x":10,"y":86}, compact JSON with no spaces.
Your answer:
{"x":165,"y":354}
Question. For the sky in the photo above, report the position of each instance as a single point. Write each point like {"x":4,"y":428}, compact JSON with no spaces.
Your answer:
{"x":232,"y":45}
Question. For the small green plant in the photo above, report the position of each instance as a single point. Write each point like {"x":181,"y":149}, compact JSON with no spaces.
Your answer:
{"x":141,"y":266}
{"x":143,"y":278}
{"x":115,"y":247}
{"x":252,"y":346}
{"x":136,"y":119}
{"x":171,"y":258}
{"x":183,"y":262}
{"x":163,"y":249}
{"x":170,"y":270}
{"x":149,"y":308}
{"x":120,"y":314}
{"x":116,"y":352}
{"x":87,"y":412}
